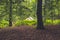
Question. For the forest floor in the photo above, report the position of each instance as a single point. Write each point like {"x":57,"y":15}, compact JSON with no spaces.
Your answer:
{"x":28,"y":33}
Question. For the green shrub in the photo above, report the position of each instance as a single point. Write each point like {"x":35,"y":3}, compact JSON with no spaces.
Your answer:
{"x":54,"y":22}
{"x":3,"y":24}
{"x":17,"y":23}
{"x":27,"y":22}
{"x":48,"y":22}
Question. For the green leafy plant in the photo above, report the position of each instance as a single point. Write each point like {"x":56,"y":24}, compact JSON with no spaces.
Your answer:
{"x":32,"y":22}
{"x":3,"y":24}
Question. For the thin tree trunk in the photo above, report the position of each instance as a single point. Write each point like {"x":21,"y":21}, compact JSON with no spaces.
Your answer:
{"x":10,"y":14}
{"x":39,"y":15}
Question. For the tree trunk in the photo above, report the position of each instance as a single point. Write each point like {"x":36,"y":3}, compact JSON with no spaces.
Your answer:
{"x":10,"y":14}
{"x":39,"y":15}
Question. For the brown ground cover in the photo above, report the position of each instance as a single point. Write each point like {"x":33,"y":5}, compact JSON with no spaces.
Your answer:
{"x":27,"y":33}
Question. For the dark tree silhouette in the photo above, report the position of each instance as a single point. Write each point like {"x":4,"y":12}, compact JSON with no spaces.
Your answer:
{"x":39,"y":15}
{"x":10,"y":14}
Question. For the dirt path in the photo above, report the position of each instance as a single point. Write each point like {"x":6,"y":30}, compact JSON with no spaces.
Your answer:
{"x":28,"y":33}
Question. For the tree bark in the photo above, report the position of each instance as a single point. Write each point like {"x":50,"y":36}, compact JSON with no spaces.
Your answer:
{"x":39,"y":15}
{"x":10,"y":14}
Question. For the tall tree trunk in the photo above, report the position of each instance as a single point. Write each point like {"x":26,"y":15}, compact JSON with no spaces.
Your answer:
{"x":10,"y":14}
{"x":39,"y":15}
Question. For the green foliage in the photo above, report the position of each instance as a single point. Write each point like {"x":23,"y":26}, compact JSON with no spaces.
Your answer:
{"x":56,"y":22}
{"x":25,"y":22}
{"x":17,"y":23}
{"x":22,"y":9}
{"x":32,"y":22}
{"x":3,"y":23}
{"x":52,"y":22}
